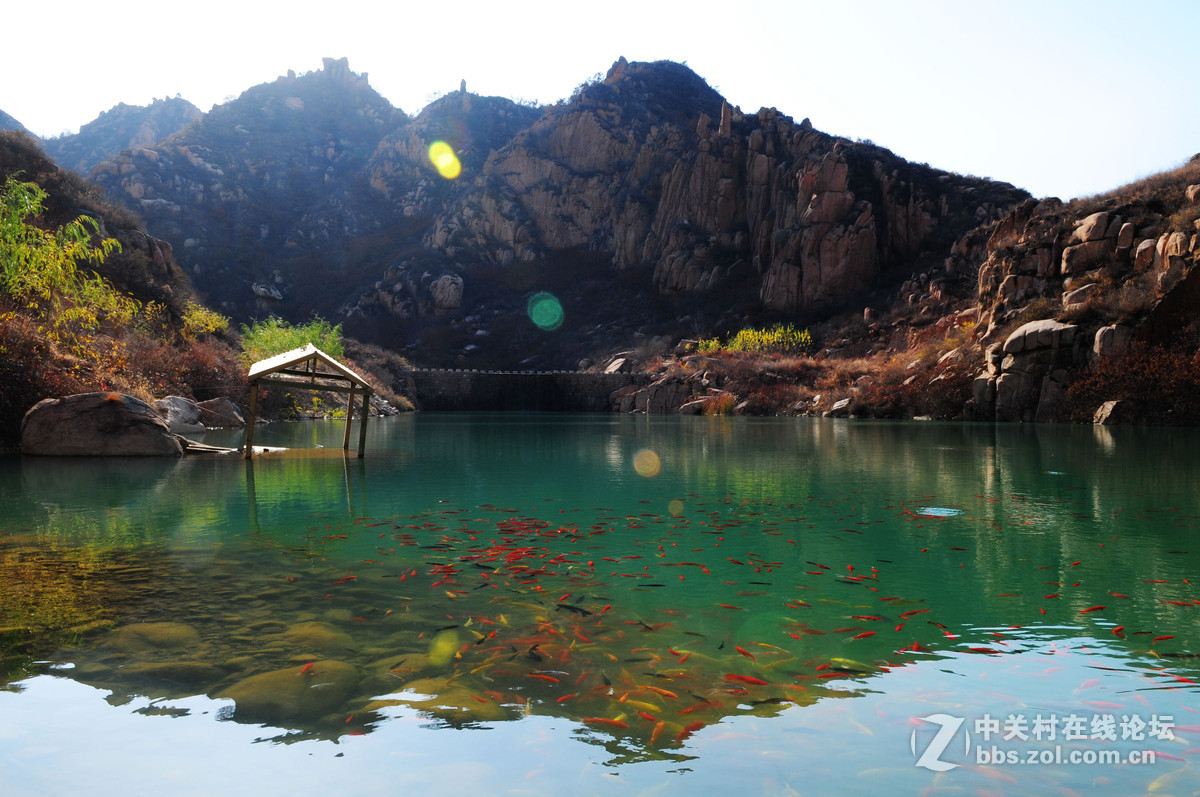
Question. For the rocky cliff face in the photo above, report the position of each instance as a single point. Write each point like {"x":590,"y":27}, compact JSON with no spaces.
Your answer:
{"x":645,"y":190}
{"x":1080,"y":283}
{"x":652,"y":166}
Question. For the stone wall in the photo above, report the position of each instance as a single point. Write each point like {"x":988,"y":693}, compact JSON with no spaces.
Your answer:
{"x":543,"y":391}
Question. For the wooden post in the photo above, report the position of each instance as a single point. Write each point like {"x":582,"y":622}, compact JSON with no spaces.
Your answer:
{"x":349,"y":419}
{"x":249,"y":449}
{"x":362,"y":424}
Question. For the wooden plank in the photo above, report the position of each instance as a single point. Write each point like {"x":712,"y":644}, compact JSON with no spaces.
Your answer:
{"x":294,"y":385}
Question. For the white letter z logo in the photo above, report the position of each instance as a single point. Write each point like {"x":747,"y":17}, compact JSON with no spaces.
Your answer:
{"x":930,"y":758}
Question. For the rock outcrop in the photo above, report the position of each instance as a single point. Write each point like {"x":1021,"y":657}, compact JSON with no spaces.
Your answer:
{"x":635,"y":166}
{"x":97,"y":424}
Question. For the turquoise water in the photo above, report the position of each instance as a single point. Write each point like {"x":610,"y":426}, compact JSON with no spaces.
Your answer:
{"x":548,"y":604}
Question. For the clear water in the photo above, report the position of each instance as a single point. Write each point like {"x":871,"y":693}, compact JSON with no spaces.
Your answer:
{"x":548,"y":604}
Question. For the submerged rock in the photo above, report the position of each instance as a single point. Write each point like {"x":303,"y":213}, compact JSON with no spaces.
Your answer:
{"x":320,"y":638}
{"x":148,"y":637}
{"x":293,"y":693}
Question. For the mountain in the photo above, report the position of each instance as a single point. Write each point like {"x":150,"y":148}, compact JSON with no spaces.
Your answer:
{"x":269,"y":187}
{"x":645,"y":202}
{"x":120,"y":128}
{"x":644,"y":210}
{"x":9,"y":123}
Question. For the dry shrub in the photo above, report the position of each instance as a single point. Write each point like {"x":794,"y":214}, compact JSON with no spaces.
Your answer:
{"x":1163,"y":383}
{"x":943,"y":399}
{"x":31,"y":368}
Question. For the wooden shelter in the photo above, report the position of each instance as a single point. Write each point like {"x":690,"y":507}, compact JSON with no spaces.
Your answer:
{"x":309,"y":368}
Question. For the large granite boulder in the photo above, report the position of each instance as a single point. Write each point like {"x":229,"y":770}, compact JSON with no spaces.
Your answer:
{"x":181,"y":414}
{"x":97,"y":424}
{"x":220,"y":413}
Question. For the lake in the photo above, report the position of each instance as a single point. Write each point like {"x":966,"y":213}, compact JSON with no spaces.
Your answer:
{"x":591,"y":604}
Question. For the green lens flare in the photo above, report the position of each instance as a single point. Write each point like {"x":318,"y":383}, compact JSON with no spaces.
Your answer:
{"x":545,"y":311}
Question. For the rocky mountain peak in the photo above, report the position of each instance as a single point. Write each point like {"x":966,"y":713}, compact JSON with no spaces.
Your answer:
{"x":119,"y":128}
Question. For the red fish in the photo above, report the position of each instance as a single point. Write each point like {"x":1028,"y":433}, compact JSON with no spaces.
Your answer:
{"x":307,"y":668}
{"x":689,"y":730}
{"x":746,"y":679}
{"x":1091,"y":609}
{"x":745,"y":653}
{"x":605,"y":721}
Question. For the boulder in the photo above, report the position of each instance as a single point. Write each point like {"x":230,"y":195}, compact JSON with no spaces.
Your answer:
{"x":1193,"y":193}
{"x":447,"y":292}
{"x":294,"y":693}
{"x":141,"y":638}
{"x":1085,"y":256}
{"x":1125,"y":236}
{"x":97,"y":424}
{"x":220,"y":412}
{"x":182,"y":414}
{"x":1111,"y":341}
{"x":1046,"y":333}
{"x":1143,"y":256}
{"x":840,"y":409}
{"x":1092,"y":228}
{"x":1080,"y":295}
{"x":1116,"y":412}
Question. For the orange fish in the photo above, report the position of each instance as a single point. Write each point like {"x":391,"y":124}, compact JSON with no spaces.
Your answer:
{"x":605,"y":721}
{"x":689,"y":730}
{"x":746,"y":679}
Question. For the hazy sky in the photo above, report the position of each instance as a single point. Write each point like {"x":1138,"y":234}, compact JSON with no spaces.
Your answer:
{"x":1060,"y":97}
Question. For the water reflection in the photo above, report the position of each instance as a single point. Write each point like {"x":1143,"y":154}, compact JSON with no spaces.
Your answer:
{"x":483,"y":570}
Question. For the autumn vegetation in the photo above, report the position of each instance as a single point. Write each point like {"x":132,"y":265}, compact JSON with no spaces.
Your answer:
{"x":83,"y":308}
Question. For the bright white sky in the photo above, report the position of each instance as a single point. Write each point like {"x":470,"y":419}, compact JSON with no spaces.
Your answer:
{"x":1060,"y":97}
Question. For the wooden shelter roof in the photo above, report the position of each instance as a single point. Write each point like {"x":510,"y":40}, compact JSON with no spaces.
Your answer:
{"x":309,"y":368}
{"x":307,"y":365}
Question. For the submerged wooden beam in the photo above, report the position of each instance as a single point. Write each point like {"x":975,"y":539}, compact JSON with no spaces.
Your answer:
{"x":249,"y":450}
{"x":362,"y":423}
{"x":349,"y":420}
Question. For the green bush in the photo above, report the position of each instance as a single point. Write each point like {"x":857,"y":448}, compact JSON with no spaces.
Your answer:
{"x":40,"y":274}
{"x":274,"y":336}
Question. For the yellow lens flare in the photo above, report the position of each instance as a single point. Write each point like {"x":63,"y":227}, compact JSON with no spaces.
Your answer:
{"x":675,"y":506}
{"x":442,"y":156}
{"x":647,"y":463}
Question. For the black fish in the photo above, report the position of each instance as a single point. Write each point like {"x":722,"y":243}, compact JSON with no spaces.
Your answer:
{"x":445,"y":628}
{"x":532,"y":653}
{"x":577,"y":609}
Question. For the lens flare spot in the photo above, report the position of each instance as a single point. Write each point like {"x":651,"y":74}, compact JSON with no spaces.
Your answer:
{"x":442,"y":156}
{"x":675,"y":506}
{"x":647,"y":463}
{"x":545,"y":311}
